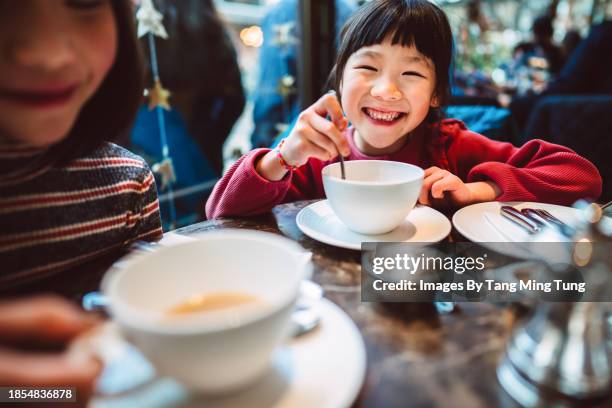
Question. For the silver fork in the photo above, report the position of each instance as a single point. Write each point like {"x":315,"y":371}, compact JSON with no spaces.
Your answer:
{"x":542,"y":217}
{"x":546,"y":216}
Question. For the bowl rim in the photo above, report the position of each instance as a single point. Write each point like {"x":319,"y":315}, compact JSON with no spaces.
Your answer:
{"x":135,"y":318}
{"x":420,"y":174}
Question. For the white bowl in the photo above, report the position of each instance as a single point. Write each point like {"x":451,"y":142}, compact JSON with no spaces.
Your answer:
{"x":376,"y":196}
{"x":210,"y":352}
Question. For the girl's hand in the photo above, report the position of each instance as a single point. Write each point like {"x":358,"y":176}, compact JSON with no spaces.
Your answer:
{"x":315,"y":136}
{"x":443,"y":188}
{"x":312,"y":136}
{"x":33,"y":333}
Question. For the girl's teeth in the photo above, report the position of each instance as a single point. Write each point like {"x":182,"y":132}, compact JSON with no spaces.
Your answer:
{"x":382,"y":116}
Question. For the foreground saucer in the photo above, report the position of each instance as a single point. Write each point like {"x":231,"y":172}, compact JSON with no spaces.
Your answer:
{"x":324,"y":368}
{"x":423,"y":224}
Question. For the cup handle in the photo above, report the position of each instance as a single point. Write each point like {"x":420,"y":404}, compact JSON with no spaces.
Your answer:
{"x":95,"y":302}
{"x":305,"y":261}
{"x":305,"y":315}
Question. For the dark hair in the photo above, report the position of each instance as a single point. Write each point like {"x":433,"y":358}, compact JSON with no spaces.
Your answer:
{"x":416,"y":23}
{"x":543,"y":27}
{"x":113,"y":106}
{"x":197,"y":38}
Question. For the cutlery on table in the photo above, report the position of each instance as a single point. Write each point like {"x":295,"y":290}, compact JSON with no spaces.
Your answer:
{"x":520,"y":219}
{"x":535,"y":216}
{"x":342,"y":166}
{"x":544,"y":217}
{"x":606,"y":205}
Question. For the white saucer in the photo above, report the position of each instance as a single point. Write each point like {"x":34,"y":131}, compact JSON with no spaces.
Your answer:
{"x":423,"y":224}
{"x":323,"y":368}
{"x":483,"y":222}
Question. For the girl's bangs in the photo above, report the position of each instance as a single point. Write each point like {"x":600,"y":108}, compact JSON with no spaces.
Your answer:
{"x":412,"y":28}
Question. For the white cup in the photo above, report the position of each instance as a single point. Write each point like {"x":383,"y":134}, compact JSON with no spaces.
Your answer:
{"x":376,"y":196}
{"x":209,"y":352}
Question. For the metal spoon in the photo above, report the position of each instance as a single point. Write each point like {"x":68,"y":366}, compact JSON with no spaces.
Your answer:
{"x":342,"y":171}
{"x":342,"y":166}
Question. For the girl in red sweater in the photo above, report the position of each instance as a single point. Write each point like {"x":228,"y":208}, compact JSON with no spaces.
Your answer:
{"x":391,"y":76}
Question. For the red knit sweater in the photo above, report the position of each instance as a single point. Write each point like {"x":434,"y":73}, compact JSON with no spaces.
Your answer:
{"x":538,"y":171}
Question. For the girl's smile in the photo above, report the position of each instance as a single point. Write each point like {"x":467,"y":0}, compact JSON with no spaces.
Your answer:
{"x":43,"y":97}
{"x":383,"y":117}
{"x":54,"y":54}
{"x":386,"y":93}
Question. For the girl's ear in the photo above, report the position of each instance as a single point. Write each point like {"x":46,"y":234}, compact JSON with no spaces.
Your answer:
{"x":435,"y":101}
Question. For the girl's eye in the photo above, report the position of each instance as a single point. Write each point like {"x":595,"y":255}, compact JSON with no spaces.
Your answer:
{"x":366,"y":67}
{"x":84,"y":4}
{"x":413,"y":73}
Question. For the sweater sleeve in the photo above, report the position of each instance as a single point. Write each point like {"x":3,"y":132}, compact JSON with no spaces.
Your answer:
{"x":148,"y":225}
{"x":243,"y":192}
{"x":537,"y":171}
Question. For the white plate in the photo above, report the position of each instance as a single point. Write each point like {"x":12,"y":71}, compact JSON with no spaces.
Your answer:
{"x":483,"y":222}
{"x":423,"y":224}
{"x":323,"y":368}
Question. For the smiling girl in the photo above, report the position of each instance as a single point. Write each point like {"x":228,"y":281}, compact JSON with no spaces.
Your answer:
{"x":392,"y":77}
{"x":70,"y":79}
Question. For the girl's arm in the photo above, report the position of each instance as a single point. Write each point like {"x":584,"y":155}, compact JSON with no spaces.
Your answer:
{"x":260,"y":180}
{"x":242,"y":191}
{"x":537,"y":171}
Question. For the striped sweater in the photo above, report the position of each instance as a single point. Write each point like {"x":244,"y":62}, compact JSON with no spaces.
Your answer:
{"x":63,"y":216}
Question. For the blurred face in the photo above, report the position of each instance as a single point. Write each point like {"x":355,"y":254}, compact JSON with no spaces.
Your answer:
{"x":54,"y":54}
{"x":386,"y":93}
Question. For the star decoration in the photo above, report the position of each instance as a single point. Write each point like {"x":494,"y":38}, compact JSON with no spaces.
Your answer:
{"x":282,"y":34}
{"x":286,"y":85}
{"x":158,"y":96}
{"x":166,"y":173}
{"x":150,"y":20}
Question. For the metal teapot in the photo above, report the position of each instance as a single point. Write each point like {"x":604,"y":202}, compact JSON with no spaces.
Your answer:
{"x":562,"y":355}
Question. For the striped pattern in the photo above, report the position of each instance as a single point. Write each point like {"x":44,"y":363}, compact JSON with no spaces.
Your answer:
{"x":106,"y":162}
{"x":71,"y":214}
{"x":34,"y":201}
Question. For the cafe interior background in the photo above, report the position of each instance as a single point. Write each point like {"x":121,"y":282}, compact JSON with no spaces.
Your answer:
{"x":229,"y":75}
{"x":244,"y":68}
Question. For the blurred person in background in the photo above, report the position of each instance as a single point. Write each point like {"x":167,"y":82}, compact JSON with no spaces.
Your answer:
{"x":544,"y":46}
{"x":198,"y":64}
{"x":570,"y":43}
{"x":588,"y":71}
{"x":276,"y":101}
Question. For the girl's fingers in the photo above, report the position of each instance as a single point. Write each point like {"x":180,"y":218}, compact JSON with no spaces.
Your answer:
{"x":79,"y":370}
{"x":431,"y":170}
{"x":330,"y":132}
{"x":312,"y":149}
{"x":423,"y":199}
{"x":328,"y":105}
{"x":427,"y":183}
{"x":44,"y":317}
{"x":447,"y":183}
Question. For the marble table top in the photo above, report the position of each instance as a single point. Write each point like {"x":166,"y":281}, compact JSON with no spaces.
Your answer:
{"x":415,"y":356}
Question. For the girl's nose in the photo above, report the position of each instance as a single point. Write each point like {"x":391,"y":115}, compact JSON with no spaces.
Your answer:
{"x":44,"y":44}
{"x":386,"y":90}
